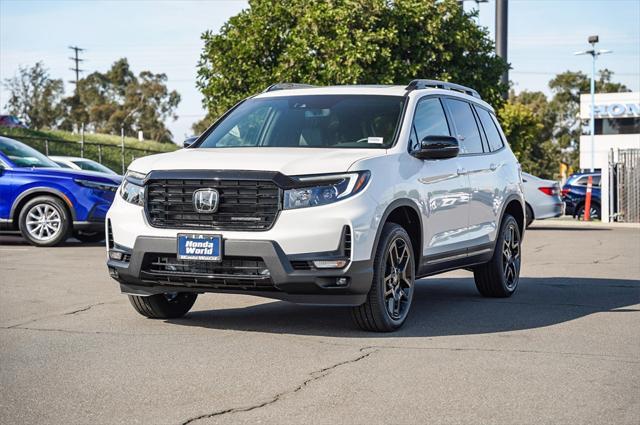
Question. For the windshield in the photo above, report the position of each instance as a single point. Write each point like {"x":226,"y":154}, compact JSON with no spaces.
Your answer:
{"x":320,"y":121}
{"x":93,"y":166}
{"x":24,"y":156}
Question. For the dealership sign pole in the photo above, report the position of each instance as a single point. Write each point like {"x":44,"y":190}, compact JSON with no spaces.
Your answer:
{"x":592,"y":126}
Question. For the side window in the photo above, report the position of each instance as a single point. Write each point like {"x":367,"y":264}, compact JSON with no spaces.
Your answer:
{"x":465,"y":123}
{"x":429,"y":120}
{"x":490,"y":130}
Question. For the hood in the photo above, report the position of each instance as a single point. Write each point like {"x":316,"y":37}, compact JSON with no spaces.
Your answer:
{"x":74,"y":174}
{"x":288,"y":161}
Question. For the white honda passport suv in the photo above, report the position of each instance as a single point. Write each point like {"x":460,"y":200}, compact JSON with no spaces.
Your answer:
{"x":324,"y":195}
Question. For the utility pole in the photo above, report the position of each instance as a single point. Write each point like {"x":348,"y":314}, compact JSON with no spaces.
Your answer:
{"x":76,"y":59}
{"x":593,"y":40}
{"x":502,"y":17}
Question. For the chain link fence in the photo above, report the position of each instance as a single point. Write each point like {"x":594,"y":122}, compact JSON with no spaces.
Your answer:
{"x":116,"y":157}
{"x":627,"y":176}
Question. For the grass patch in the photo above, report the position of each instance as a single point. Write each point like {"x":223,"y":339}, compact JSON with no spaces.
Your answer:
{"x":104,"y":148}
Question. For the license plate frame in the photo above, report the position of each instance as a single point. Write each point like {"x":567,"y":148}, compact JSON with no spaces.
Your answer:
{"x":203,"y":243}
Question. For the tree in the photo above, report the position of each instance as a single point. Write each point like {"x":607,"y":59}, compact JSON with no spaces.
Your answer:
{"x":525,"y":131}
{"x":344,"y":42}
{"x":565,"y":105}
{"x":105,"y":102}
{"x":34,"y":96}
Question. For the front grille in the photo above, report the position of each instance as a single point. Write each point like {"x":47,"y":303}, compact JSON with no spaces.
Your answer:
{"x":243,"y":204}
{"x":246,"y":273}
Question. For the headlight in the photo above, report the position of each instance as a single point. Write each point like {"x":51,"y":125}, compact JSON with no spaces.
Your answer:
{"x":97,"y":185}
{"x":132,"y":189}
{"x":325,"y":189}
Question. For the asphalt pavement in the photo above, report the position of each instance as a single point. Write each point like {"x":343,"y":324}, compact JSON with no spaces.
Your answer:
{"x":563,"y":350}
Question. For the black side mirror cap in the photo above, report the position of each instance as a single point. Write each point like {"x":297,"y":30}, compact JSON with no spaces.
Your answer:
{"x":189,"y":141}
{"x":438,"y":147}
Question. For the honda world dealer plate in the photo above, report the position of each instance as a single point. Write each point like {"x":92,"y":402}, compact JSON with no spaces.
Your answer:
{"x":200,"y":247}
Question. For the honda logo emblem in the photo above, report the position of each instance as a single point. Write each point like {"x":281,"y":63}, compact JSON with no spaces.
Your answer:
{"x":206,"y":200}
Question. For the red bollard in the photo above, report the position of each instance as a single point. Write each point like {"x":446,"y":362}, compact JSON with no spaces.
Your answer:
{"x":587,"y":201}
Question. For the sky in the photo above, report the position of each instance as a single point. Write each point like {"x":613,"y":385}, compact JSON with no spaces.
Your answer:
{"x":164,"y":36}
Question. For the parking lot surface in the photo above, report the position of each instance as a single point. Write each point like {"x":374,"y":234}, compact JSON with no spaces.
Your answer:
{"x":564,"y":349}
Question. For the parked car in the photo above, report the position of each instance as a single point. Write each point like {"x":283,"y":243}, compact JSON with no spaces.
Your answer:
{"x":48,"y":203}
{"x":324,"y":195}
{"x":11,"y":121}
{"x":77,"y":163}
{"x":574,"y":193}
{"x":542,"y":198}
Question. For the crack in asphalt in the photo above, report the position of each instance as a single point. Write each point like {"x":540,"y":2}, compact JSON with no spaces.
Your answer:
{"x":68,"y":313}
{"x":313,"y":376}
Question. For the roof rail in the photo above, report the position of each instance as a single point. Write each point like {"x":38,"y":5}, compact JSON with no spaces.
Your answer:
{"x":423,"y":84}
{"x":287,"y":86}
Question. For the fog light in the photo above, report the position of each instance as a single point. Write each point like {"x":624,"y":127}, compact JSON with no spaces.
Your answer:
{"x":330,"y":264}
{"x":113,"y":273}
{"x":116,"y":255}
{"x":342,"y":281}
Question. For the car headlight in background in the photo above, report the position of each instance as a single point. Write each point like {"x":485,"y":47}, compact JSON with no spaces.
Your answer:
{"x":132,"y":189}
{"x":325,"y":189}
{"x":111,"y":187}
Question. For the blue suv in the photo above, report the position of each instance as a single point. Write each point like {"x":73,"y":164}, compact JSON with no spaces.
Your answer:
{"x":574,"y":193}
{"x":48,"y":203}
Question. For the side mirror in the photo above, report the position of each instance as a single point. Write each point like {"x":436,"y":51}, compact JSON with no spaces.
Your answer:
{"x":189,"y":141}
{"x":438,"y":147}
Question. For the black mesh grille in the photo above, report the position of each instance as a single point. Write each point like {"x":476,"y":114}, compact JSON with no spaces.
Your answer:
{"x":347,"y":242}
{"x":232,"y":272}
{"x":243,"y":205}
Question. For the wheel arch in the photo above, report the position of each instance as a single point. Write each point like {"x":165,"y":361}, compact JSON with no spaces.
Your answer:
{"x":33,"y":192}
{"x":404,"y":212}
{"x":515,"y":206}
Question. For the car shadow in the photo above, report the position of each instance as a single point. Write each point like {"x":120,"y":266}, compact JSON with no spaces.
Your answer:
{"x":15,"y":239}
{"x":568,"y":228}
{"x":441,"y":306}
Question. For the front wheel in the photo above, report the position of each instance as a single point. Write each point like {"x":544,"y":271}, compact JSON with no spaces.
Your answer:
{"x":389,"y":299}
{"x":500,"y":276}
{"x":164,"y":306}
{"x":44,"y":221}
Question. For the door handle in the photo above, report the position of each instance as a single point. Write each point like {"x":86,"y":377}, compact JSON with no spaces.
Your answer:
{"x":461,"y":171}
{"x":493,"y":167}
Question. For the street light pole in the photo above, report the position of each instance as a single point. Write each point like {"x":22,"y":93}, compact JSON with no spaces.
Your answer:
{"x":593,"y":40}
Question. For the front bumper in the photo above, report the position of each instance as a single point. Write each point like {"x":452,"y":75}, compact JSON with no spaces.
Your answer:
{"x":314,"y":286}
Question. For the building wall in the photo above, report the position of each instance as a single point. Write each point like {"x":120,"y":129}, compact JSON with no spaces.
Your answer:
{"x":608,"y":105}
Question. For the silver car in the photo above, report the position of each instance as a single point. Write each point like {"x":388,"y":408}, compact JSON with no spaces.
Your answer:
{"x":542,"y":197}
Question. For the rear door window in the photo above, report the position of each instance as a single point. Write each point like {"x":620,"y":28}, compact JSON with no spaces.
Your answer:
{"x":490,"y":130}
{"x":466,"y":127}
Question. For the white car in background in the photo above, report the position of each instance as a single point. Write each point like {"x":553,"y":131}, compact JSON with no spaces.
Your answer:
{"x":543,"y":198}
{"x":77,"y":163}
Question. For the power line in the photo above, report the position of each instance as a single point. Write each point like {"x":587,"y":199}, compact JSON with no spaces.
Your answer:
{"x":76,"y":59}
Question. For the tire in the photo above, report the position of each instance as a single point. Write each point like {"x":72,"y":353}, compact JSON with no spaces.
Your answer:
{"x":595,"y":212}
{"x":164,"y":306}
{"x":529,"y":215}
{"x":500,"y":276}
{"x":44,"y":221}
{"x":389,"y":299}
{"x":89,"y":237}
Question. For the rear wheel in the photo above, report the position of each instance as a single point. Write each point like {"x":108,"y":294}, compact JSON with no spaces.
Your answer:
{"x":389,"y":299}
{"x":164,"y":306}
{"x":500,"y":276}
{"x":88,"y":237}
{"x":44,"y":221}
{"x":594,"y":212}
